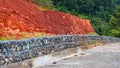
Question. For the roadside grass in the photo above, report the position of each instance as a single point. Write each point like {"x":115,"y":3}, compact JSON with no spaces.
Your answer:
{"x":32,"y":35}
{"x":3,"y":38}
{"x":92,"y":33}
{"x":88,"y":45}
{"x":24,"y":35}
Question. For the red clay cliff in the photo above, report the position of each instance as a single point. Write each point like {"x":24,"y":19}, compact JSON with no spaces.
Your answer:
{"x":25,"y":16}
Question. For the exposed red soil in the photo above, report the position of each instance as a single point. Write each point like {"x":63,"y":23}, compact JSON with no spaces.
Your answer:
{"x":24,"y":16}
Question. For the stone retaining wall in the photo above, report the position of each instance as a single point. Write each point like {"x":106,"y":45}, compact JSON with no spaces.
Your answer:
{"x":19,"y":50}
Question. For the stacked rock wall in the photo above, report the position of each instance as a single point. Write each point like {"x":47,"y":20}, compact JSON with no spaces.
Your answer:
{"x":19,"y":50}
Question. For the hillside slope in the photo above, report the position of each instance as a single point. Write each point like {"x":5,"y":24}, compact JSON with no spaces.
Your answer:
{"x":24,"y":16}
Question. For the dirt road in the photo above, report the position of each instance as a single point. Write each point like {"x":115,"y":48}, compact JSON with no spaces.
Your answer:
{"x":107,"y":56}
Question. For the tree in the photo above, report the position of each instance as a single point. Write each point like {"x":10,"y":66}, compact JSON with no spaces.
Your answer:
{"x":115,"y":23}
{"x":103,"y":14}
{"x":98,"y":11}
{"x":114,"y":33}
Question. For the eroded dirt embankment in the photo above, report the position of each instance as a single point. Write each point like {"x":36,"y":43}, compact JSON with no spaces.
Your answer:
{"x":18,"y":16}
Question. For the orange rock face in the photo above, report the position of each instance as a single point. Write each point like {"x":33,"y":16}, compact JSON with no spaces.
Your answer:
{"x":24,"y":16}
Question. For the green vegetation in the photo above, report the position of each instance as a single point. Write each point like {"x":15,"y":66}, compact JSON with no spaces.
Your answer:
{"x":103,"y":14}
{"x":24,"y":35}
{"x":92,"y":34}
{"x":44,"y":3}
{"x":3,"y":38}
{"x":32,"y":35}
{"x":87,"y":45}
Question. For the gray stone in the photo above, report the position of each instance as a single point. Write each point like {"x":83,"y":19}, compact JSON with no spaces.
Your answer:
{"x":4,"y":50}
{"x":19,"y":50}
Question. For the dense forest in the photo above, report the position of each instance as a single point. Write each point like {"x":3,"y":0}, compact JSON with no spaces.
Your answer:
{"x":103,"y":14}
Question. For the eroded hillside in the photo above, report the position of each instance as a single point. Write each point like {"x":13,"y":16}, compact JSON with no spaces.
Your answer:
{"x":18,"y":16}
